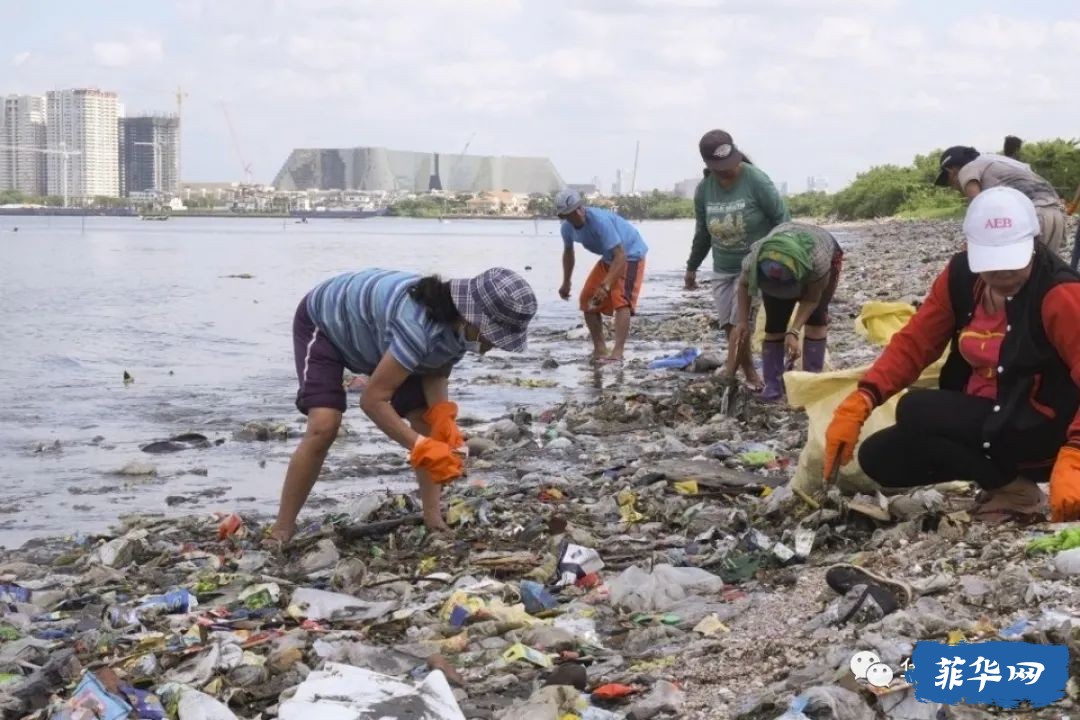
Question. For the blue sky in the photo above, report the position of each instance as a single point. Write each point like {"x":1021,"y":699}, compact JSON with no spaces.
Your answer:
{"x":807,"y":87}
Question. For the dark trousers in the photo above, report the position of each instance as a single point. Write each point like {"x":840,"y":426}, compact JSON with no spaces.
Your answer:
{"x":778,"y":310}
{"x":937,"y":438}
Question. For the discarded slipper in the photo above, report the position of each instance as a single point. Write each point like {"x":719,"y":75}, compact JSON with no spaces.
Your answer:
{"x":874,"y":601}
{"x":841,"y":578}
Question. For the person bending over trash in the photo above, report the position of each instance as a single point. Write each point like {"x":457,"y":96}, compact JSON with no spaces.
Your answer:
{"x":795,"y":267}
{"x":736,"y":204}
{"x":1006,"y":414}
{"x":614,"y":284}
{"x":406,"y":332}
{"x":964,"y":169}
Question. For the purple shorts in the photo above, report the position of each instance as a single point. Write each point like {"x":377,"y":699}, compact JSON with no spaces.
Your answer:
{"x":320,"y":371}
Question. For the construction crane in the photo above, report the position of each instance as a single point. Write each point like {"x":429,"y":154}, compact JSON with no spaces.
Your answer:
{"x":633,"y":178}
{"x":180,"y":95}
{"x":64,"y":154}
{"x":459,"y":166}
{"x":236,"y":146}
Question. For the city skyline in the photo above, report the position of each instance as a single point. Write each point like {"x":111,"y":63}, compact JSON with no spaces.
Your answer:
{"x":77,"y":144}
{"x":813,"y":88}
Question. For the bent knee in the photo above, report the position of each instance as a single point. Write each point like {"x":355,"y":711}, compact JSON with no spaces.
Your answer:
{"x":322,"y":431}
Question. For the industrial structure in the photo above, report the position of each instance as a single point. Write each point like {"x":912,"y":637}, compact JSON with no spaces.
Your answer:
{"x":150,"y":155}
{"x":380,"y":169}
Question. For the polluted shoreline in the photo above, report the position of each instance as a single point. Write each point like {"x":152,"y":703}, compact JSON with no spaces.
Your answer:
{"x":638,"y":554}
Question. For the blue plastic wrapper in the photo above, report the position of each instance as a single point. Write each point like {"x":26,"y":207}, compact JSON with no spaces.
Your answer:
{"x":147,"y":705}
{"x":536,"y":598}
{"x":92,"y":700}
{"x":10,"y":592}
{"x":676,"y":362}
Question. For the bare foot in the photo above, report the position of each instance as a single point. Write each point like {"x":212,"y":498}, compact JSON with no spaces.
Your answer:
{"x":754,"y":382}
{"x":436,"y":524}
{"x":278,"y":536}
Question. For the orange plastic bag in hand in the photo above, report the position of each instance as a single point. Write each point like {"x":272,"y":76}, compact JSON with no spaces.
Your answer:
{"x":442,"y":418}
{"x":1065,"y":486}
{"x":843,"y":433}
{"x":438,"y":459}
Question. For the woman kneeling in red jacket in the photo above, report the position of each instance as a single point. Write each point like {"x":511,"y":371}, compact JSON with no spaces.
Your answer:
{"x":1006,"y":414}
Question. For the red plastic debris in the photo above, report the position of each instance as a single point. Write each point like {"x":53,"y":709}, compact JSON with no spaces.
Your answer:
{"x":229,"y":526}
{"x":613,"y":691}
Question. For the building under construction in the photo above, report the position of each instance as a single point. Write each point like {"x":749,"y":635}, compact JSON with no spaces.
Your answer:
{"x":380,"y":169}
{"x":150,"y":154}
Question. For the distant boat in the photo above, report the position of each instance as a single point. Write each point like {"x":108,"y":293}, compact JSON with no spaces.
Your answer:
{"x":154,"y":217}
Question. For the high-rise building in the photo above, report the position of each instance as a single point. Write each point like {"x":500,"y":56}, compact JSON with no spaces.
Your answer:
{"x":82,"y":137}
{"x":624,"y":181}
{"x":22,"y":140}
{"x":686,"y":188}
{"x":150,"y":154}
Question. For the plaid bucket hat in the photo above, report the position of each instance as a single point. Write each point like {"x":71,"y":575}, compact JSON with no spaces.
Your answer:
{"x":500,"y":303}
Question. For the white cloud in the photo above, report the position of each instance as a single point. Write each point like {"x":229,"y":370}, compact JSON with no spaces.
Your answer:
{"x":20,"y":58}
{"x":118,"y":54}
{"x":809,"y":87}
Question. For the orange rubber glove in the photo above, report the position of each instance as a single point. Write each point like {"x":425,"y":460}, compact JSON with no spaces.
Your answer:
{"x":437,"y":458}
{"x":442,"y":418}
{"x":1070,"y":208}
{"x":1065,"y":486}
{"x":844,"y":429}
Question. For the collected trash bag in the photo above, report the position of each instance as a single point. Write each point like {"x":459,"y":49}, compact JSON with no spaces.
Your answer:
{"x":879,"y":321}
{"x":819,"y":394}
{"x":344,"y":691}
{"x":661,"y":589}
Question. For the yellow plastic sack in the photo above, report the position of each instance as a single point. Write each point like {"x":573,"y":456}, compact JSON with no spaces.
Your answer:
{"x":879,"y":321}
{"x":820,"y":394}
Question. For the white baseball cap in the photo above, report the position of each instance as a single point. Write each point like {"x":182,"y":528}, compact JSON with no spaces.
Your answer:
{"x":1000,"y":227}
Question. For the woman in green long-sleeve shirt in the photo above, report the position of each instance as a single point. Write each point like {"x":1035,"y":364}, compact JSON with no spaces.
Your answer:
{"x":736,"y":205}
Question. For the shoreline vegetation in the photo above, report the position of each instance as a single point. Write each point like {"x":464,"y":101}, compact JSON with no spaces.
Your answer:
{"x":904,"y":192}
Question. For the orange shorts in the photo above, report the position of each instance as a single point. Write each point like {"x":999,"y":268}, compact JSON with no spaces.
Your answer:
{"x":624,"y":293}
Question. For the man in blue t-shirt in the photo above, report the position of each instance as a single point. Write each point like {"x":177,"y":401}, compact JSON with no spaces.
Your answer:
{"x":614,"y":284}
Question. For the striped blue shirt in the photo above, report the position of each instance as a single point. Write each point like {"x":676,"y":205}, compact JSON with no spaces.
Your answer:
{"x":369,"y":313}
{"x":604,"y":231}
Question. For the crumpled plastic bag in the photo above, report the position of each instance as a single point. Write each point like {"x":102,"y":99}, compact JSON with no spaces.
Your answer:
{"x":828,"y":702}
{"x":661,"y":589}
{"x":344,"y":691}
{"x":819,"y":394}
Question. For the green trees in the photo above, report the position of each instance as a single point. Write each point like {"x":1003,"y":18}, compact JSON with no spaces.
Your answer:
{"x":908,"y":191}
{"x":1056,"y":160}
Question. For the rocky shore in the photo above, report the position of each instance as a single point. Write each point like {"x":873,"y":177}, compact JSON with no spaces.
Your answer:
{"x":638,"y":555}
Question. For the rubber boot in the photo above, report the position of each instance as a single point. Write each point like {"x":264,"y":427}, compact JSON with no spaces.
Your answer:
{"x":813,"y":355}
{"x":772,"y":370}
